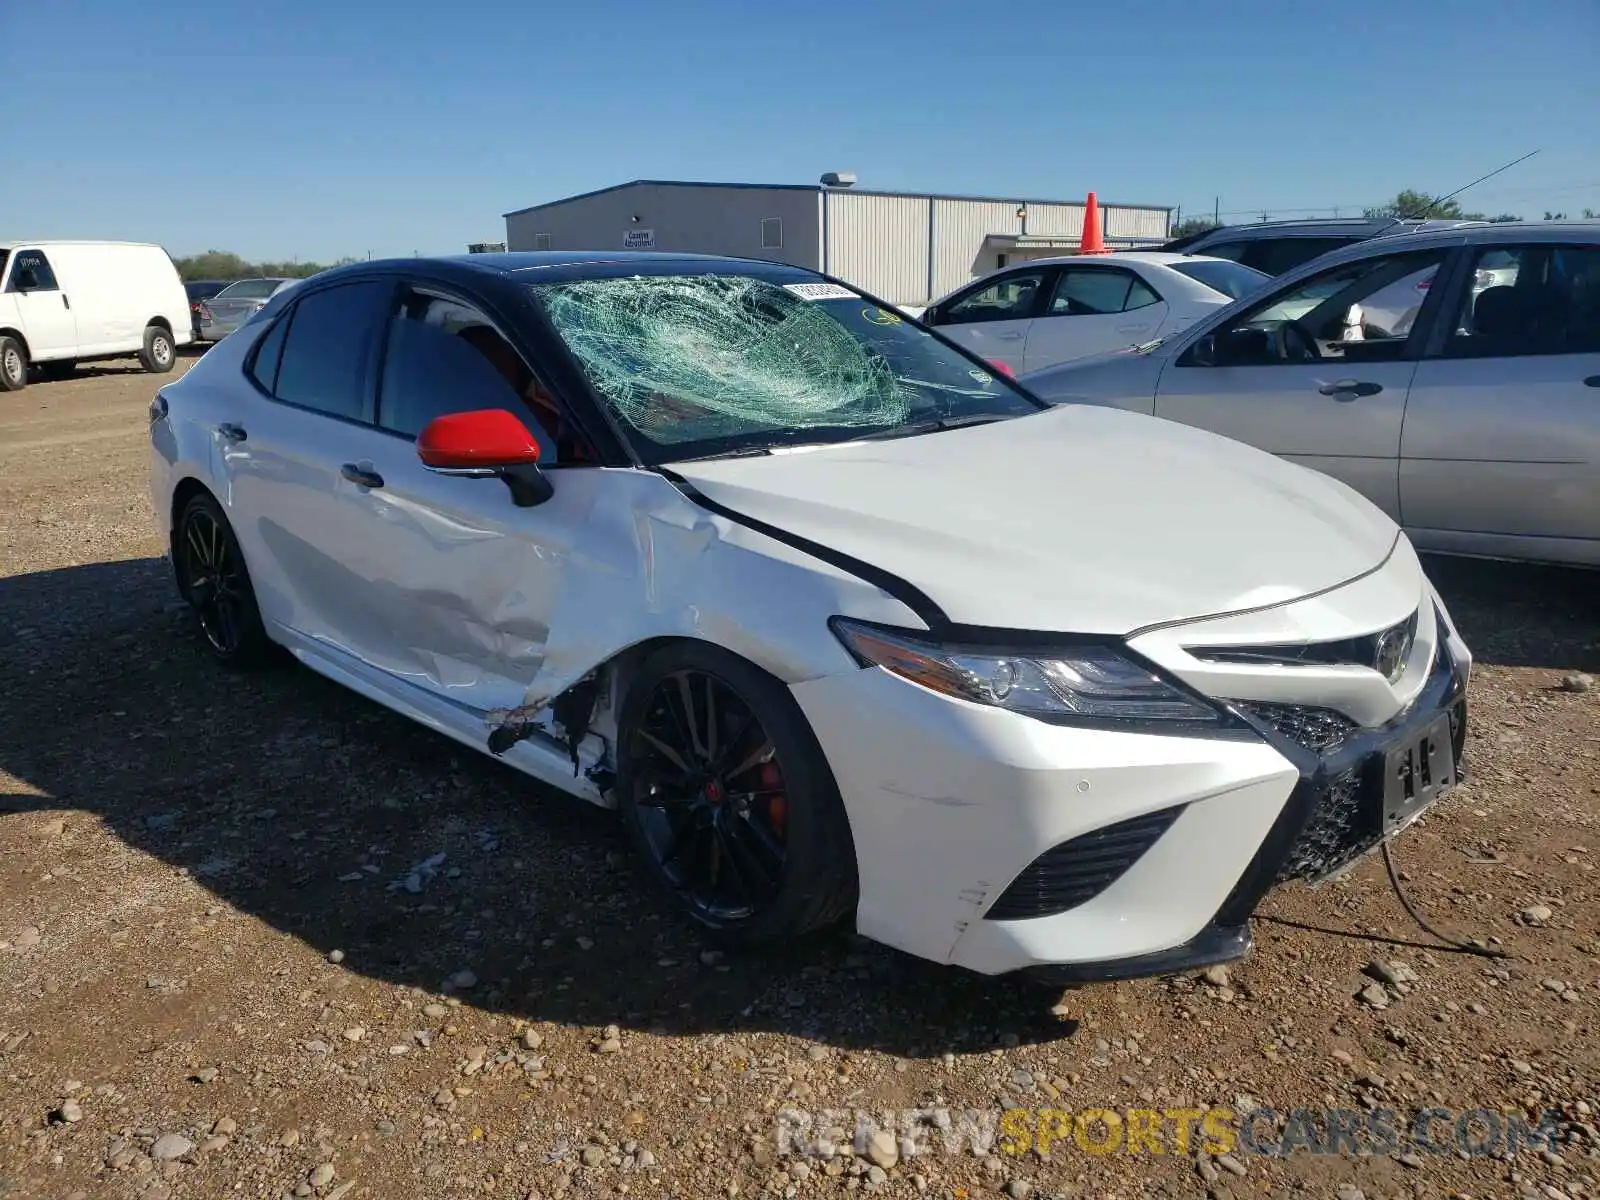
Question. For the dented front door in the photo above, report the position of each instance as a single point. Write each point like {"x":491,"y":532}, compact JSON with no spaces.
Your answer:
{"x":470,"y":582}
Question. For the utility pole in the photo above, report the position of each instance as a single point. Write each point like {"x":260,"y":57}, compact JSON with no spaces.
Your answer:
{"x":1216,"y":211}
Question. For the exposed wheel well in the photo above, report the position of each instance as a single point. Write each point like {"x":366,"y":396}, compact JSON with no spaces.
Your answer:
{"x":160,"y":323}
{"x":17,"y":334}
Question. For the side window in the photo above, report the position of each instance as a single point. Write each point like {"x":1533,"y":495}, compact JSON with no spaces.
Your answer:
{"x":269,"y":350}
{"x":445,"y":357}
{"x":1522,"y":300}
{"x":1278,"y":256}
{"x":31,"y":273}
{"x":1359,"y":310}
{"x":1232,"y":251}
{"x":327,"y":353}
{"x":1009,"y":299}
{"x":1094,"y":291}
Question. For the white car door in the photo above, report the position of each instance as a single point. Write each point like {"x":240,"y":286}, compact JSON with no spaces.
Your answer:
{"x":1281,"y":377}
{"x":45,"y":311}
{"x":282,"y":448}
{"x":1092,"y":309}
{"x":469,"y":581}
{"x":1502,"y":434}
{"x":992,"y":318}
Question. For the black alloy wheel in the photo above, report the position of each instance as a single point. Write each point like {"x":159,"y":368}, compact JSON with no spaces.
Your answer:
{"x":729,"y":800}
{"x":711,"y":793}
{"x":212,"y":577}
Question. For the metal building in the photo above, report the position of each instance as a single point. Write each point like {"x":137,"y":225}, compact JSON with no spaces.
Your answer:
{"x":905,"y":247}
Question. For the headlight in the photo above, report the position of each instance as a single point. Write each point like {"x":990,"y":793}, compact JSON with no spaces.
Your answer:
{"x":1089,"y":684}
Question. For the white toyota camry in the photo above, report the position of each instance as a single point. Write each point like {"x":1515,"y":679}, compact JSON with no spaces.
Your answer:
{"x":844,"y":623}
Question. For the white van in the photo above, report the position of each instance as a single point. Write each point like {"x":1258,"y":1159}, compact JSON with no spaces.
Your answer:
{"x":63,"y":302}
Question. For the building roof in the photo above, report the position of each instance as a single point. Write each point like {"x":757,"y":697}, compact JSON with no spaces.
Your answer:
{"x":817,"y":187}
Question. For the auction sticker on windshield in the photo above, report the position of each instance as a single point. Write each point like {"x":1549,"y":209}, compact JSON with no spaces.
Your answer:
{"x":820,"y":291}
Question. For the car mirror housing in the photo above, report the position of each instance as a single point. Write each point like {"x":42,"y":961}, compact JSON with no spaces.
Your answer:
{"x":485,"y":443}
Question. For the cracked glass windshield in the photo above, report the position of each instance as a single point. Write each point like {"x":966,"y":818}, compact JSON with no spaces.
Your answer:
{"x":700,"y":365}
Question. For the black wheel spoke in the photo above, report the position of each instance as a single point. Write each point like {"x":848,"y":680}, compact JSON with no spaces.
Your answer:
{"x":753,"y":849}
{"x":696,"y":743}
{"x":755,"y":758}
{"x":666,"y":751}
{"x":716,"y":837}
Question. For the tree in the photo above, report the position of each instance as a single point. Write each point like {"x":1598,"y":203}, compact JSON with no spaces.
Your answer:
{"x":1192,"y":225}
{"x":1412,"y":204}
{"x":224,"y":264}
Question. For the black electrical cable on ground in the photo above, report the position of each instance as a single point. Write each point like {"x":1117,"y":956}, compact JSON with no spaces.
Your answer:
{"x":1483,"y":950}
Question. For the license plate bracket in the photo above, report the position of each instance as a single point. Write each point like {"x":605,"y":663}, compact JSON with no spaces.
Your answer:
{"x":1416,"y":772}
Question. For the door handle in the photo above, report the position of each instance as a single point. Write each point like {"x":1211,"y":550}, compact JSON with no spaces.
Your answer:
{"x":231,"y":432}
{"x":1592,"y":381}
{"x":65,"y":303}
{"x":361,"y":476}
{"x":1351,"y":387}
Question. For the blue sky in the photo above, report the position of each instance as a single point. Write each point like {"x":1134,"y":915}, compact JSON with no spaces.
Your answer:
{"x":342,"y":127}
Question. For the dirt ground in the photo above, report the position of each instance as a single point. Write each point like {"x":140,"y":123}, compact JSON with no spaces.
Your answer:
{"x":210,"y":984}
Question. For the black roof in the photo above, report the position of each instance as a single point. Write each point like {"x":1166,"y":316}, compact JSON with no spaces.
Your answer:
{"x":539,"y":266}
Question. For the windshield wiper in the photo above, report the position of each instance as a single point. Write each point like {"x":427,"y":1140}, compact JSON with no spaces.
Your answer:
{"x":741,"y":452}
{"x":937,"y":425}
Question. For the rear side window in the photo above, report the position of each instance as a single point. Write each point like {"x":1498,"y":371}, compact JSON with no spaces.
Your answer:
{"x":264,"y":368}
{"x":1092,"y":291}
{"x":1525,"y":300}
{"x":328,"y":350}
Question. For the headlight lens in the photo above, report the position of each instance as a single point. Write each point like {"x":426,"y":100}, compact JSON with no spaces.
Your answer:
{"x":1089,"y":684}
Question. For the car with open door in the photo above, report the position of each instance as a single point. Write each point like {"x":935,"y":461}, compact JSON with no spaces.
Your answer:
{"x":846,"y":625}
{"x":1474,"y":419}
{"x":1049,"y":310}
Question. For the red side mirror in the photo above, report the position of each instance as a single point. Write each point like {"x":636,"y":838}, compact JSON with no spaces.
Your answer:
{"x":481,"y":441}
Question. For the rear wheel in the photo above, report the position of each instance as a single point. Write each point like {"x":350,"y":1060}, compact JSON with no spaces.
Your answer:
{"x":727,"y":797}
{"x":213,"y":580}
{"x":13,"y":365}
{"x":158,"y":352}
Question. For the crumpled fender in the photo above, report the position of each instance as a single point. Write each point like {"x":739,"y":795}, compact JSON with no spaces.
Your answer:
{"x":652,"y":563}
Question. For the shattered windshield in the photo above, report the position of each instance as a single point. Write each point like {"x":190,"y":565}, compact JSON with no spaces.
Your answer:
{"x":694,"y":365}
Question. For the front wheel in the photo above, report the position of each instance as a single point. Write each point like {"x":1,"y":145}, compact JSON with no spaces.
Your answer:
{"x":213,"y":580}
{"x":13,"y":365}
{"x":727,"y":797}
{"x":158,"y":353}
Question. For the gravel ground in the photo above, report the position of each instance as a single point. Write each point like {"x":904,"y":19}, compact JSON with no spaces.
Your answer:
{"x":260,"y":937}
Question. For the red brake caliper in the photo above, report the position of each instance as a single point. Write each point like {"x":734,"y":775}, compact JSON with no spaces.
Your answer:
{"x":778,"y":804}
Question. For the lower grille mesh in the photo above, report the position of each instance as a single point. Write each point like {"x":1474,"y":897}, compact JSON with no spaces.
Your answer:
{"x":1317,"y":729}
{"x":1075,"y":872}
{"x":1336,"y":833}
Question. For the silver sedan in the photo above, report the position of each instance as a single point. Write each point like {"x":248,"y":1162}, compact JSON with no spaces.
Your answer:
{"x":1474,"y":422}
{"x":235,"y":304}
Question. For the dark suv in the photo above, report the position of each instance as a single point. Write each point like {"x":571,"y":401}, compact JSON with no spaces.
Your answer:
{"x":1279,"y":246}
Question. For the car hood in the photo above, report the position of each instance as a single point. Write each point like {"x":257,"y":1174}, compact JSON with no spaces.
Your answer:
{"x":1075,"y":520}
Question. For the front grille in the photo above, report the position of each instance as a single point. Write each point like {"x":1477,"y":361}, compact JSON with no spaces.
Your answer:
{"x":1077,"y":871}
{"x":1317,"y":729}
{"x":1337,"y":832}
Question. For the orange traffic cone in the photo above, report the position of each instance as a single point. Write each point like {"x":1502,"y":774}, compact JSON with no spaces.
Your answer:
{"x":1094,"y":238}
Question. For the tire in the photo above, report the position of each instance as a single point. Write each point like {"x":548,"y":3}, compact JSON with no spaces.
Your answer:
{"x":58,"y":369}
{"x":814,"y":885}
{"x":13,"y":365}
{"x":204,"y":550}
{"x":159,"y":352}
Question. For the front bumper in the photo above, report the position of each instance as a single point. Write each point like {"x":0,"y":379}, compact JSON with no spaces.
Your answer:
{"x":958,"y":808}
